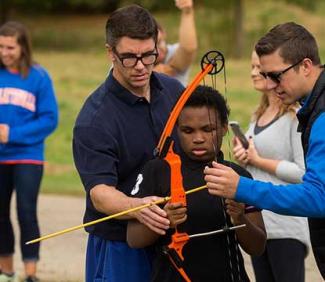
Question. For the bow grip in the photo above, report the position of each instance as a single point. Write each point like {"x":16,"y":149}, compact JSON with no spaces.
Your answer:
{"x":176,"y":178}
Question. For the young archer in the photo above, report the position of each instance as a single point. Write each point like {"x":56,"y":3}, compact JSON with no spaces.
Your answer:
{"x":200,"y":129}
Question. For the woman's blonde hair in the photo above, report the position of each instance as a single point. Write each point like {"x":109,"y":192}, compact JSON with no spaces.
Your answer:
{"x":264,"y":103}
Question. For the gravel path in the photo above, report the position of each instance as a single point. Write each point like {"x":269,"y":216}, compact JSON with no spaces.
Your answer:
{"x":62,"y":257}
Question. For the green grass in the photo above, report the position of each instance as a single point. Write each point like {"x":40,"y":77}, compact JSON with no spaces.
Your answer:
{"x":72,"y":49}
{"x":75,"y":76}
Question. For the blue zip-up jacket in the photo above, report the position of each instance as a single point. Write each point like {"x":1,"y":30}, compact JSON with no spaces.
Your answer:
{"x":305,"y":199}
{"x":28,"y":106}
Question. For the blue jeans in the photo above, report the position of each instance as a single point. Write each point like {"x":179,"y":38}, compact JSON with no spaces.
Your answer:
{"x":25,"y":179}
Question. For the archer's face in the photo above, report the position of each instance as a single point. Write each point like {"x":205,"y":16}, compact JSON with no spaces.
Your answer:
{"x":200,"y":133}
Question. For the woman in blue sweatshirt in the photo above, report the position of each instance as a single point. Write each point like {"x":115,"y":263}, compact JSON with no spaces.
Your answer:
{"x":28,"y":114}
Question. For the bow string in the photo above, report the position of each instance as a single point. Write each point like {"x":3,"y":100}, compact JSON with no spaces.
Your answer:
{"x":211,"y":63}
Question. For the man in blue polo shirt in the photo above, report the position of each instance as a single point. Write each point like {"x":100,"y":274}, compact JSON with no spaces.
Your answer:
{"x":114,"y":136}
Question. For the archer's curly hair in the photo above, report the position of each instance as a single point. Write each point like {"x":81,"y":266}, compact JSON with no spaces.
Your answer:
{"x":206,"y":96}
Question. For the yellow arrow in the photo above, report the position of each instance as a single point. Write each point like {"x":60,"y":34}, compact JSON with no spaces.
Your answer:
{"x":161,"y":201}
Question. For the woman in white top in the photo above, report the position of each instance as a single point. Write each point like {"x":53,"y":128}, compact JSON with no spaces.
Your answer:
{"x":275,"y":155}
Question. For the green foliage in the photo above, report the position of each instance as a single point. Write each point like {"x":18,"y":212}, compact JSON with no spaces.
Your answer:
{"x":307,"y":4}
{"x":152,"y":5}
{"x":168,"y":5}
{"x":66,"y":33}
{"x":215,"y":24}
{"x":64,"y":6}
{"x":100,"y":6}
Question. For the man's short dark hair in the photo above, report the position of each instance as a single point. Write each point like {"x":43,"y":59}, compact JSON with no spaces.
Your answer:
{"x":132,"y":21}
{"x":206,"y":96}
{"x":293,"y":41}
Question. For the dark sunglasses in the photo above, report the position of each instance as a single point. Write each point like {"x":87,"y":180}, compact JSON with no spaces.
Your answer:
{"x":276,"y":75}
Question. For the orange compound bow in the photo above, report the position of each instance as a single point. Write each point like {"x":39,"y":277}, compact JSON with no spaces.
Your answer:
{"x":177,"y":195}
{"x":211,"y":63}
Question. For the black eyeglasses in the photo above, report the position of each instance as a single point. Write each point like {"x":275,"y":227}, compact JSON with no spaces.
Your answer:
{"x":276,"y":75}
{"x":131,"y":60}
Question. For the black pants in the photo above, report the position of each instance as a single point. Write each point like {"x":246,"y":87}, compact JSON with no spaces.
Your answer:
{"x":282,"y":261}
{"x":25,"y":179}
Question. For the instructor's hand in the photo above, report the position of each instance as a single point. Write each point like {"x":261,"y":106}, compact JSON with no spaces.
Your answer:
{"x":221,"y":180}
{"x":153,"y":217}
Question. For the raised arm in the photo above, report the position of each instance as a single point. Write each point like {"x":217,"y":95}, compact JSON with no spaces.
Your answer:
{"x":186,"y":51}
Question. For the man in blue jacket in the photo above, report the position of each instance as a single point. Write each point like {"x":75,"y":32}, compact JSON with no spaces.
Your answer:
{"x":290,"y":62}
